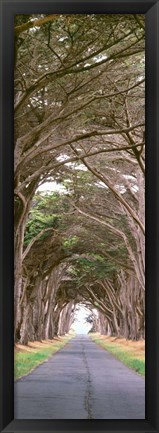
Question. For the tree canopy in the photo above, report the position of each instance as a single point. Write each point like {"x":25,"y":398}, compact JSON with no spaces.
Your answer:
{"x":79,"y":124}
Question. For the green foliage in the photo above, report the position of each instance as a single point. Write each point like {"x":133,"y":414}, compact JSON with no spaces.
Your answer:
{"x":37,"y":221}
{"x":70,"y":241}
{"x":97,"y":266}
{"x":91,"y":268}
{"x":43,"y":214}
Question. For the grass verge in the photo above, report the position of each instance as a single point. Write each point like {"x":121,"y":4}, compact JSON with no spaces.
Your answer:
{"x":26,"y":358}
{"x":131,"y":353}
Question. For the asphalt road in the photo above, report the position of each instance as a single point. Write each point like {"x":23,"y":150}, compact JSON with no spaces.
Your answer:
{"x":81,"y":381}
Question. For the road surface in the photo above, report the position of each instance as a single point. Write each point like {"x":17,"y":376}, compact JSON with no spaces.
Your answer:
{"x":81,"y":381}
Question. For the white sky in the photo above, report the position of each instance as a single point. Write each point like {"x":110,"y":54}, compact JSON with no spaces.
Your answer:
{"x":80,"y":326}
{"x":51,"y":186}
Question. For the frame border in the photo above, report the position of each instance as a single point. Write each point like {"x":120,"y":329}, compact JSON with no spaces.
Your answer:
{"x":8,"y":9}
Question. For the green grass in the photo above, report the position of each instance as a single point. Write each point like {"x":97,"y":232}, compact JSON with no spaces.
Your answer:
{"x":128,"y":358}
{"x":25,"y":361}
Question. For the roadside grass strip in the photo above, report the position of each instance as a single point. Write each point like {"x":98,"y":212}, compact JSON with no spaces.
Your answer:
{"x":129,"y":352}
{"x":26,"y":358}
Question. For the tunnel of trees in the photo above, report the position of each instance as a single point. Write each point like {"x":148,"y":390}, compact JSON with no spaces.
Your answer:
{"x":79,"y":124}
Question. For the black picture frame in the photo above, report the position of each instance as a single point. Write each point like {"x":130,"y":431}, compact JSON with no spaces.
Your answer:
{"x":151,"y":10}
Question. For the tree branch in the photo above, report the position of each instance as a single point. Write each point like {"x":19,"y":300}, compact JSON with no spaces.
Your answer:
{"x":33,"y":241}
{"x":36,"y":23}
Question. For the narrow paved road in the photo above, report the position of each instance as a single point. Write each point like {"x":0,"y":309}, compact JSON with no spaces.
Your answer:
{"x":81,"y":381}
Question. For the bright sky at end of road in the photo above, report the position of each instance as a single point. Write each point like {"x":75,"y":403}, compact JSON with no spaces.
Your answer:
{"x":80,"y":326}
